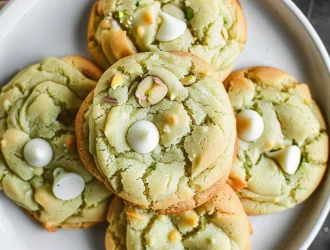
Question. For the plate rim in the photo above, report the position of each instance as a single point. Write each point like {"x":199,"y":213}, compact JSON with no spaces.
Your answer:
{"x":14,"y":10}
{"x":294,"y":9}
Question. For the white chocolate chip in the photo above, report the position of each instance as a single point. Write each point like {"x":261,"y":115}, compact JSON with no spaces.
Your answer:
{"x":174,"y":11}
{"x":143,"y":136}
{"x":249,"y":125}
{"x":288,"y":158}
{"x":38,"y":152}
{"x":66,"y":185}
{"x":170,"y":28}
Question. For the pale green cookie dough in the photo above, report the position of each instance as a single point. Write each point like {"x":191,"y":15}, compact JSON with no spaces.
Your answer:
{"x":220,"y":223}
{"x":215,"y":30}
{"x":291,"y":117}
{"x":195,"y":122}
{"x":41,"y":101}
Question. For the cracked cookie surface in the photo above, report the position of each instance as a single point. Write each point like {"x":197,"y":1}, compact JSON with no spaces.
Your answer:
{"x":221,"y":221}
{"x":215,"y":31}
{"x":194,"y":153}
{"x":291,"y":117}
{"x":41,"y":101}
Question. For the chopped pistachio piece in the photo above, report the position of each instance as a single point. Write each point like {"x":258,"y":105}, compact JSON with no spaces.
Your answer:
{"x":110,"y":100}
{"x":189,"y":13}
{"x":188,"y":80}
{"x":150,"y":91}
{"x":121,"y":15}
{"x":116,"y":80}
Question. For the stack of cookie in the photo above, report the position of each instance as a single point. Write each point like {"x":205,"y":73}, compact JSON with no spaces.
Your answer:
{"x":180,"y":157}
{"x":160,"y":133}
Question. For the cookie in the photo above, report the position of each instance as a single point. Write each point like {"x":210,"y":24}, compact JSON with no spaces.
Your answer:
{"x":82,"y":132}
{"x":161,"y":130}
{"x":221,"y":221}
{"x":283,"y":140}
{"x":215,"y":31}
{"x":40,"y":168}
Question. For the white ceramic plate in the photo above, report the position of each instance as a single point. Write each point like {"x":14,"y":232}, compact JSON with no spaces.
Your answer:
{"x":278,"y":35}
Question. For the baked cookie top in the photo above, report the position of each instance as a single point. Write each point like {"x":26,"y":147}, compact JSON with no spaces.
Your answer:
{"x":40,"y":168}
{"x":161,"y":128}
{"x":221,"y":221}
{"x":82,"y":138}
{"x":214,"y":31}
{"x":283,"y":140}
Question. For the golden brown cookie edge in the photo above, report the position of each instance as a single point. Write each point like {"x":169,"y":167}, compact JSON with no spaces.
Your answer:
{"x":83,"y":143}
{"x":225,"y":201}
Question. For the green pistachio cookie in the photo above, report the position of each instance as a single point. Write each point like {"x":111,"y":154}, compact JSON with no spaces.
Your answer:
{"x":283,"y":142}
{"x":161,"y":130}
{"x":214,"y":30}
{"x":220,"y":223}
{"x":40,"y":169}
{"x":82,"y":137}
